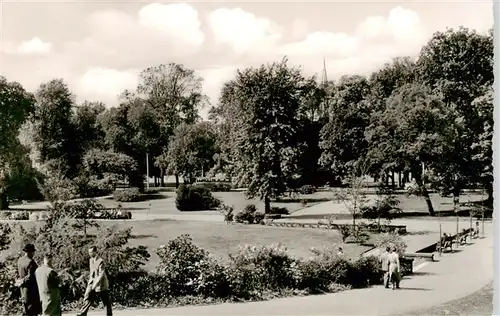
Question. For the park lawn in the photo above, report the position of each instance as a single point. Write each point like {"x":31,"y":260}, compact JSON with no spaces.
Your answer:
{"x":413,"y":205}
{"x":220,"y":239}
{"x":477,"y":303}
{"x":164,"y":203}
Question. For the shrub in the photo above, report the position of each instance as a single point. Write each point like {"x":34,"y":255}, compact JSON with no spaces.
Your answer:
{"x":345,"y":231}
{"x":127,"y":195}
{"x":324,"y":269}
{"x":227,"y":211}
{"x":215,"y":186}
{"x":307,"y":189}
{"x":384,"y":207}
{"x":193,"y":198}
{"x":258,"y":268}
{"x":189,"y":270}
{"x":249,"y":215}
{"x":279,"y":210}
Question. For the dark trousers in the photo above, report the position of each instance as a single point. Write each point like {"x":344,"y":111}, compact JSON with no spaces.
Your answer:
{"x":91,"y":296}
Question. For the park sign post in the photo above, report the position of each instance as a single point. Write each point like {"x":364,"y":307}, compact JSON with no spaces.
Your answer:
{"x":457,"y":210}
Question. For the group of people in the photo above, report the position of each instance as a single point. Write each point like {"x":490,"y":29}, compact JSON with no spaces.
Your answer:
{"x":391,"y":268}
{"x":39,"y":285}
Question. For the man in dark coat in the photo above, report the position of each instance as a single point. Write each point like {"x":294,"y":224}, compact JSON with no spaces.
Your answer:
{"x":27,"y":282}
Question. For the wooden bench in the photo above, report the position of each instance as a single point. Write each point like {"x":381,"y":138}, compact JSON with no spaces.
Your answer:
{"x":419,"y":255}
{"x":445,"y":244}
{"x":462,"y":237}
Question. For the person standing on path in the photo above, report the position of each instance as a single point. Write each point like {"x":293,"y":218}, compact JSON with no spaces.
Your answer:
{"x":48,"y":287}
{"x":384,"y":261}
{"x":394,"y":268}
{"x":27,"y":282}
{"x":97,"y":286}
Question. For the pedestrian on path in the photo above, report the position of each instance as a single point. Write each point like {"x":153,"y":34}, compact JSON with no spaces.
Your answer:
{"x":394,"y":268}
{"x":97,"y":286}
{"x":27,"y":282}
{"x":48,"y":287}
{"x":384,"y":261}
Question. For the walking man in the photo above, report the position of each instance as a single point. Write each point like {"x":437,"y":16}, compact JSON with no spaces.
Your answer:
{"x":384,"y":260}
{"x":97,"y":286}
{"x":48,"y":287}
{"x":27,"y":282}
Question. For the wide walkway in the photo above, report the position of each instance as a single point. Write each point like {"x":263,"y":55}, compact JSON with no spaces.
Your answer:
{"x":455,"y":275}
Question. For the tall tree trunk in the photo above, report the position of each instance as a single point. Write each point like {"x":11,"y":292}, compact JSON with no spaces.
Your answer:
{"x":162,"y":179}
{"x":176,"y":181}
{"x":425,"y":193}
{"x":267,"y":205}
{"x":399,"y":180}
{"x":392,"y":179}
{"x":4,"y":201}
{"x":489,"y":192}
{"x":456,"y":198}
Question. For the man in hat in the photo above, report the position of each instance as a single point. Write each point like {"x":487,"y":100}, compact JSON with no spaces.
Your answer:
{"x":384,"y":261}
{"x":27,"y":282}
{"x":48,"y":287}
{"x":98,"y":284}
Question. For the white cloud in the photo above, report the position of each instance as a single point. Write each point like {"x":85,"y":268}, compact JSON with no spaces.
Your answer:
{"x":376,"y":41}
{"x":157,"y":32}
{"x":34,"y":46}
{"x":105,"y":84}
{"x":243,"y":31}
{"x":323,"y":43}
{"x":179,"y":20}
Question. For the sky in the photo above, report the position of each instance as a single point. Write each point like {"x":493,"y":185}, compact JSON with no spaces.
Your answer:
{"x":99,"y":47}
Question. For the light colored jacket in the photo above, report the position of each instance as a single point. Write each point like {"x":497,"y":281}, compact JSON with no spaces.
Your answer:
{"x":394,"y":262}
{"x":48,"y":287}
{"x":384,"y":260}
{"x":98,"y":276}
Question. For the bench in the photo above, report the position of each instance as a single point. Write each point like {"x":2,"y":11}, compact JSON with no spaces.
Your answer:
{"x":475,"y":233}
{"x":462,"y":237}
{"x":419,"y":255}
{"x":445,"y":244}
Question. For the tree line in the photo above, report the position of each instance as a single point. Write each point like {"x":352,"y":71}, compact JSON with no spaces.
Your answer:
{"x":272,"y":130}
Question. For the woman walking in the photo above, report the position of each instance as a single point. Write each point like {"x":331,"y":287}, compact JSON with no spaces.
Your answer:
{"x":394,"y":268}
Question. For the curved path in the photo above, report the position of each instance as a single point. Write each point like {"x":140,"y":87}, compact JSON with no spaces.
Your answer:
{"x":454,"y":276}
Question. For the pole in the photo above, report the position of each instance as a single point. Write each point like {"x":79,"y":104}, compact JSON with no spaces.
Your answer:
{"x":483,"y":223}
{"x":440,"y":238}
{"x":470,"y":231}
{"x":147,"y":170}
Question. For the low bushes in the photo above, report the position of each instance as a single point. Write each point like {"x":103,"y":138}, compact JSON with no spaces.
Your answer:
{"x":15,"y":215}
{"x":127,"y":195}
{"x":307,"y":189}
{"x":249,"y":215}
{"x":186,"y":273}
{"x":215,"y":186}
{"x":195,"y":198}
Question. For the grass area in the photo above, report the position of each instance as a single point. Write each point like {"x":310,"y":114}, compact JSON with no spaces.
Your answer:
{"x":410,"y":205}
{"x":220,"y":238}
{"x":478,"y":303}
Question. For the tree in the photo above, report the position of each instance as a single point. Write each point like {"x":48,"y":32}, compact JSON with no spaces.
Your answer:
{"x":415,"y":127}
{"x":482,"y":149}
{"x":15,"y":106}
{"x":267,"y":149}
{"x":228,"y":118}
{"x":89,"y":134}
{"x":190,"y":151}
{"x":54,"y":136}
{"x":458,"y":64}
{"x":110,"y":167}
{"x":342,"y":138}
